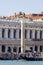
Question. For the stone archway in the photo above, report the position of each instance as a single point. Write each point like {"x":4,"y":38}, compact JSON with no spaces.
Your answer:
{"x":15,"y":49}
{"x":19,"y":49}
{"x":9,"y":49}
{"x":3,"y":48}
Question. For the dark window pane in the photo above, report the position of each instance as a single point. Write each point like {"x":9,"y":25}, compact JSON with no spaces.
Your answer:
{"x":14,"y":33}
{"x":3,"y":48}
{"x":20,"y":33}
{"x":40,"y":34}
{"x":35,"y":34}
{"x":19,"y":49}
{"x":14,"y":49}
{"x":9,"y":49}
{"x":25,"y":33}
{"x":3,"y":31}
{"x":9,"y":33}
{"x":36,"y":48}
{"x":31,"y":49}
{"x":40,"y":48}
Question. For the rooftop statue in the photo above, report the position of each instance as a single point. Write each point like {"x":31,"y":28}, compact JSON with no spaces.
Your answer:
{"x":21,"y":14}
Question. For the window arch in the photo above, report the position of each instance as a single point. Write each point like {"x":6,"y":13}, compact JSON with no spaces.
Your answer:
{"x":3,"y":48}
{"x":3,"y":32}
{"x":9,"y":49}
{"x":40,"y":48}
{"x":36,"y":48}
{"x":8,"y":33}
{"x":30,"y":34}
{"x":15,"y":49}
{"x":25,"y":33}
{"x":35,"y":34}
{"x":19,"y":49}
{"x":20,"y":33}
{"x":14,"y":33}
{"x":40,"y":34}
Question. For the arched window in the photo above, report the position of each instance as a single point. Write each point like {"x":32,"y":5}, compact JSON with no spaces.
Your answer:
{"x":20,"y":33}
{"x":3,"y":48}
{"x":9,"y":49}
{"x":40,"y":48}
{"x":19,"y":49}
{"x":35,"y":34}
{"x":36,"y":48}
{"x":40,"y":34}
{"x":14,"y":33}
{"x":31,"y":49}
{"x":3,"y":32}
{"x":30,"y":34}
{"x":15,"y":49}
{"x":25,"y":33}
{"x":8,"y":33}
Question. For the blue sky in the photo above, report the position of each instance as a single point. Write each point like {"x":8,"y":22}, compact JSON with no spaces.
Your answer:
{"x":8,"y":7}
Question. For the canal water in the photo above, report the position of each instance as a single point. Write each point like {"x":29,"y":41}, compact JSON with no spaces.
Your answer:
{"x":20,"y":62}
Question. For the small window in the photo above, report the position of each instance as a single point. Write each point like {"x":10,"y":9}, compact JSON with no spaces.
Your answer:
{"x":36,"y":48}
{"x":3,"y":48}
{"x":19,"y":49}
{"x":3,"y":32}
{"x":30,"y":34}
{"x":25,"y":34}
{"x":40,"y":34}
{"x":9,"y":49}
{"x":35,"y":34}
{"x":9,"y":33}
{"x":40,"y":48}
{"x":14,"y":33}
{"x":14,"y":49}
{"x":20,"y":33}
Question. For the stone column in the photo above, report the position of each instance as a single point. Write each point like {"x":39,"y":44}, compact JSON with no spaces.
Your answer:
{"x":17,"y":34}
{"x":28,"y":34}
{"x":38,"y":48}
{"x":22,"y":37}
{"x":42,"y":34}
{"x":12,"y":33}
{"x":6,"y":33}
{"x":38,"y":34}
{"x":17,"y":49}
{"x":33,"y":34}
{"x":0,"y":33}
{"x":6,"y":50}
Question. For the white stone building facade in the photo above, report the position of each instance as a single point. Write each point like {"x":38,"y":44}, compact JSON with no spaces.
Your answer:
{"x":10,"y":36}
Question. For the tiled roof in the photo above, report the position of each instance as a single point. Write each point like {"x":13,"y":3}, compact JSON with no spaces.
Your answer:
{"x":28,"y":16}
{"x":32,"y":16}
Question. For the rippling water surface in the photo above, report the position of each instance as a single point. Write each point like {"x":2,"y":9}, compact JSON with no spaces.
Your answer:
{"x":20,"y":62}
